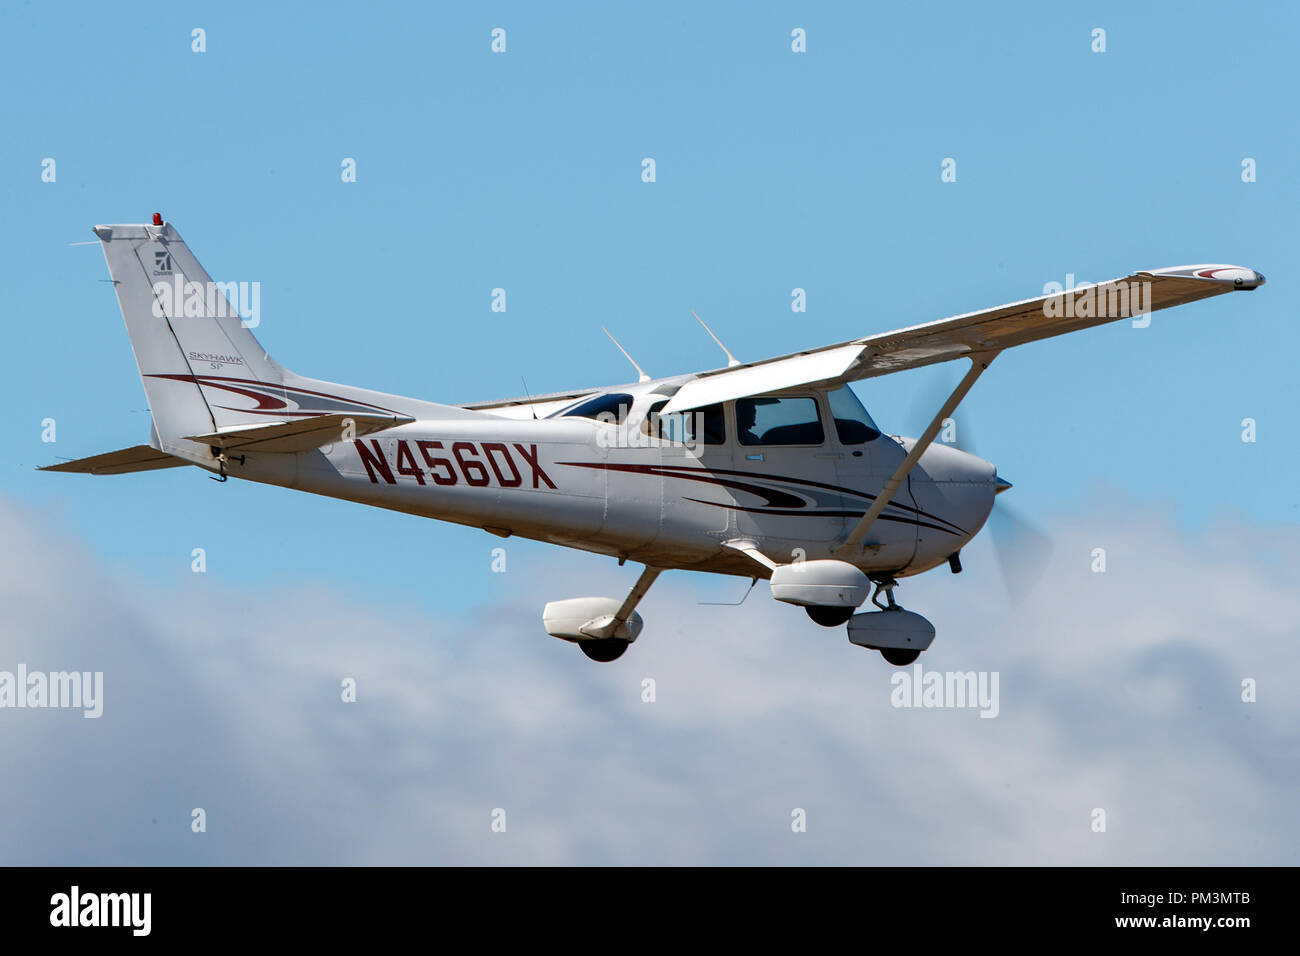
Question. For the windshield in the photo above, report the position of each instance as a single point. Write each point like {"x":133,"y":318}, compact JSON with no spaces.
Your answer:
{"x":611,"y":408}
{"x":852,"y":423}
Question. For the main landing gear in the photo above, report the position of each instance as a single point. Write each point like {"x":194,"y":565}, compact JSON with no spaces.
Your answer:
{"x":829,"y":616}
{"x":601,"y":627}
{"x":605,"y":649}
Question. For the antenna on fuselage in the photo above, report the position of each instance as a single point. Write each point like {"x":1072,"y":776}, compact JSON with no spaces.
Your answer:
{"x":644,"y":377}
{"x":732,"y":361}
{"x":532,"y":406}
{"x":752,"y":582}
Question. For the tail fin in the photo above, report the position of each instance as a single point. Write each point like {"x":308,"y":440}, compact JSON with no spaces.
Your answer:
{"x":194,"y":350}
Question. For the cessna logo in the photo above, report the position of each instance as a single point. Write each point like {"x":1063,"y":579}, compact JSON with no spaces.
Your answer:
{"x":475,"y":463}
{"x":162,"y":263}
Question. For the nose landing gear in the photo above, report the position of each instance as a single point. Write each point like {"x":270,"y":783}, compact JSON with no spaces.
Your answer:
{"x":887,"y":585}
{"x":900,"y":635}
{"x":899,"y":658}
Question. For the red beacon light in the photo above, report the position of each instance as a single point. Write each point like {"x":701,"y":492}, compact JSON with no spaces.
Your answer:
{"x":157,"y":219}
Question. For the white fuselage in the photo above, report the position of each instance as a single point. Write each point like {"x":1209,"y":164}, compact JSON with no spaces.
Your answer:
{"x":604,"y":488}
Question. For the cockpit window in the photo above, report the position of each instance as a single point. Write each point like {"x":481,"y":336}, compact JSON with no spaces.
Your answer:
{"x":612,"y":408}
{"x":778,"y":421}
{"x":852,"y":423}
{"x":699,"y":425}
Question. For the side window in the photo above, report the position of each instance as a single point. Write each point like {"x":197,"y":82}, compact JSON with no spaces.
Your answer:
{"x":697,"y":425}
{"x":852,"y":423}
{"x":778,"y":421}
{"x":611,"y":408}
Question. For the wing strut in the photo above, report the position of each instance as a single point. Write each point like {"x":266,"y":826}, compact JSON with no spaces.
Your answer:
{"x":978,"y":363}
{"x":607,"y":625}
{"x":635,"y":595}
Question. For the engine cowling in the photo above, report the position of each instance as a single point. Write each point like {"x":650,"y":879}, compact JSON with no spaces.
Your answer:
{"x":821,"y":583}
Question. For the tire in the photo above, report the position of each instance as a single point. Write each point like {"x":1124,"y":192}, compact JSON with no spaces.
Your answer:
{"x":830,"y":616}
{"x":605,"y":650}
{"x":899,"y":656}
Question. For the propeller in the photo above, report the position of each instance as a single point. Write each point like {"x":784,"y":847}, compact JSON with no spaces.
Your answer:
{"x":1021,"y":546}
{"x":1022,"y":549}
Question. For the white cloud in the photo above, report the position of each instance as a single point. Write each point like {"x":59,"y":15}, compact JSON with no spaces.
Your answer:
{"x":1119,"y":691}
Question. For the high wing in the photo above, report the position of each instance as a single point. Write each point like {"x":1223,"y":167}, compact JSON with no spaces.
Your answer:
{"x":988,"y":331}
{"x":525,"y":401}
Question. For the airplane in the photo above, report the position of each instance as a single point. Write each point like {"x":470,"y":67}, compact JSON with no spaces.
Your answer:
{"x":764,"y":470}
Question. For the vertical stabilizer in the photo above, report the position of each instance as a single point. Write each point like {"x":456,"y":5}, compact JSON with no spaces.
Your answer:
{"x":194,"y":350}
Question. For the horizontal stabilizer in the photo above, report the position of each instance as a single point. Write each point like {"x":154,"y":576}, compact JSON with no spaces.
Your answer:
{"x":303,"y":434}
{"x":139,"y":458}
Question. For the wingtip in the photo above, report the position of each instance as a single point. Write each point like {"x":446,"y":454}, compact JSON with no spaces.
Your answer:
{"x":1239,"y":277}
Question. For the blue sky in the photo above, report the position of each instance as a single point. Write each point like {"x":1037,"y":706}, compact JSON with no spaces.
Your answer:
{"x":521,"y":171}
{"x":774,"y":171}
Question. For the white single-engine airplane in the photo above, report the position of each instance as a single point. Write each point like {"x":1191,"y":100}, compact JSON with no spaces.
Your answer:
{"x":768,"y":469}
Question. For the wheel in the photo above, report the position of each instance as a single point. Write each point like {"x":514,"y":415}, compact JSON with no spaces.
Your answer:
{"x":604,"y":650}
{"x":830,"y":616}
{"x":899,"y":656}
